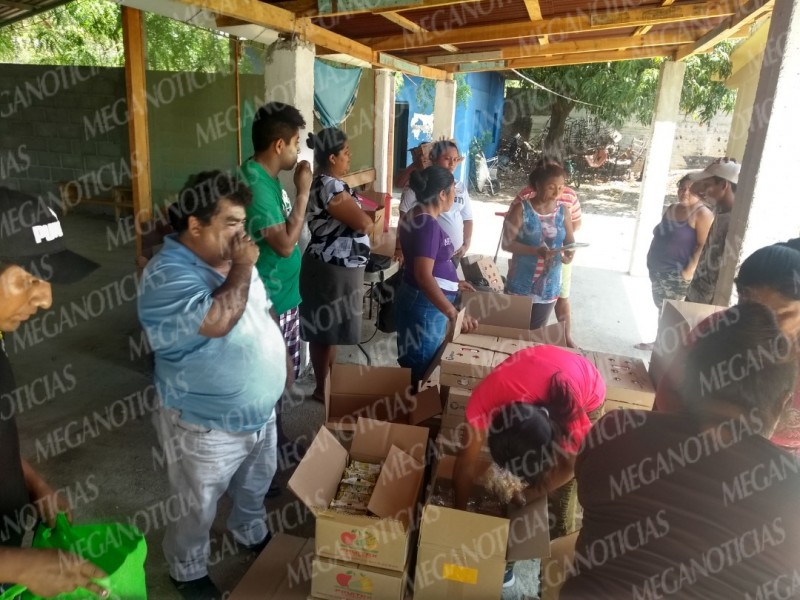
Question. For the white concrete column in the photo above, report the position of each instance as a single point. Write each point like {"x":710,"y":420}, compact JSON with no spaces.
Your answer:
{"x":384,"y":129}
{"x":444,"y":109}
{"x":654,"y":180}
{"x":289,"y":78}
{"x":763,"y":214}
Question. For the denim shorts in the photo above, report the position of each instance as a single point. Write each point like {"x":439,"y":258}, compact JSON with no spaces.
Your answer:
{"x":421,"y":328}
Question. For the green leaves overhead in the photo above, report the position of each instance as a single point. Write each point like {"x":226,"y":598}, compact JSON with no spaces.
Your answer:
{"x":628,"y":88}
{"x":89,"y":32}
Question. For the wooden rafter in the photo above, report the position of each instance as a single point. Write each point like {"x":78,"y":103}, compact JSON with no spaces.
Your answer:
{"x":410,"y":25}
{"x":646,"y":28}
{"x":18,"y":5}
{"x":601,"y":21}
{"x":301,"y":7}
{"x":567,"y":59}
{"x":535,"y":14}
{"x":748,"y":13}
{"x":576,"y":47}
{"x":279,"y":19}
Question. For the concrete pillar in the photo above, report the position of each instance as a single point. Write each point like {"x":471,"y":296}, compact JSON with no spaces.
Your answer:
{"x":763,"y":214}
{"x":444,"y":109}
{"x":384,"y":129}
{"x":746,"y":62}
{"x":289,"y":78}
{"x":743,"y":111}
{"x":659,"y":155}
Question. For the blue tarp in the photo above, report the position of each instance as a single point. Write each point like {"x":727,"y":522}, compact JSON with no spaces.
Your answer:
{"x":335,"y":91}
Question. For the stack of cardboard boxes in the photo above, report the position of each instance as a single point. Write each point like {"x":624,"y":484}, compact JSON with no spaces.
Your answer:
{"x":371,"y":416}
{"x":363,"y":555}
{"x":463,"y":554}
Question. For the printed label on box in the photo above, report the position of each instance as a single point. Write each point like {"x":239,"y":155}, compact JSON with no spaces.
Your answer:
{"x":358,"y":541}
{"x":350,"y":581}
{"x":459,"y":573}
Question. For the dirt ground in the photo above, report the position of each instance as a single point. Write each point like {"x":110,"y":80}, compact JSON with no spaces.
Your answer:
{"x":618,"y":197}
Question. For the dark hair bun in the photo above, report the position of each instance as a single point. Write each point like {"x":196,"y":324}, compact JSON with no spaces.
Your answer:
{"x":418,"y":182}
{"x":311,"y":140}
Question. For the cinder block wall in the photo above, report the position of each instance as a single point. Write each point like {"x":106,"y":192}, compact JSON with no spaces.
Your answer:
{"x":47,"y":131}
{"x":71,"y":124}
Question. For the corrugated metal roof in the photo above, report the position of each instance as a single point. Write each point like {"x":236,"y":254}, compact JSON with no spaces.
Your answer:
{"x":12,"y":11}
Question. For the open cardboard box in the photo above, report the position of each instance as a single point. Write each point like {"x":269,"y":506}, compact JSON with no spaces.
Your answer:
{"x":627,"y":383}
{"x":479,"y":268}
{"x":467,"y":368}
{"x":281,"y":572}
{"x":463,"y":554}
{"x":677,"y":319}
{"x":458,"y":359}
{"x":507,"y":316}
{"x":334,"y":580}
{"x":381,"y":393}
{"x":381,"y":540}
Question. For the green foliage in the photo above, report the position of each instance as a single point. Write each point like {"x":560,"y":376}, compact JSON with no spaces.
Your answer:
{"x":86,"y":32}
{"x":480,"y":142}
{"x":617,"y":91}
{"x":175,"y":46}
{"x":704,"y":95}
{"x":89,"y":32}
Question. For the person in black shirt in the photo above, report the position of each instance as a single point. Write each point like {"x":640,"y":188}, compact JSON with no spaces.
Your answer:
{"x":32,"y":254}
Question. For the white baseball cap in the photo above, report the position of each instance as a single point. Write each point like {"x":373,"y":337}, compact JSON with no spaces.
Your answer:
{"x":727,"y":169}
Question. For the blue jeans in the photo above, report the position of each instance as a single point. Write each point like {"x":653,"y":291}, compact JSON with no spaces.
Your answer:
{"x":421,"y":328}
{"x":203,"y":465}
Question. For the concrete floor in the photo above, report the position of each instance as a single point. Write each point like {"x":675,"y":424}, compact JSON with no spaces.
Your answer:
{"x":85,"y":422}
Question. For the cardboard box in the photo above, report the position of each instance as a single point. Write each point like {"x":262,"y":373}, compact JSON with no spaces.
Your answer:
{"x":380,"y":393}
{"x":443,"y":572}
{"x":501,"y":310}
{"x":335,"y":580}
{"x":485,"y":342}
{"x":384,"y":243}
{"x":463,"y":554}
{"x":452,"y":421}
{"x":381,"y":540}
{"x":481,"y":270}
{"x":627,"y":383}
{"x":459,"y":359}
{"x":500,"y":316}
{"x":499,"y":358}
{"x":557,"y":568}
{"x":676,"y":321}
{"x":281,"y":572}
{"x":457,"y":401}
{"x":462,"y":381}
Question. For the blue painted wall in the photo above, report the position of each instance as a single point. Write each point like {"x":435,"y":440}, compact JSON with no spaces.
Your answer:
{"x":483,"y":112}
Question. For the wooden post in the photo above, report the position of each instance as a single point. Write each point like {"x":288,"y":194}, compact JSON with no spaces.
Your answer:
{"x":135,"y":81}
{"x":237,"y":94}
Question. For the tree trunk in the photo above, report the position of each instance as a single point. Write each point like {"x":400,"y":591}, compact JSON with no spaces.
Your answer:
{"x":560,"y":109}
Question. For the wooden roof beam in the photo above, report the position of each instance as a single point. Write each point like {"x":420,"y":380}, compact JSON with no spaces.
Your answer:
{"x":558,"y":25}
{"x":279,"y":19}
{"x":748,"y":13}
{"x":301,"y":7}
{"x":576,"y":47}
{"x":17,"y":5}
{"x":410,"y":25}
{"x":535,"y":14}
{"x":566,"y":59}
{"x":646,"y":28}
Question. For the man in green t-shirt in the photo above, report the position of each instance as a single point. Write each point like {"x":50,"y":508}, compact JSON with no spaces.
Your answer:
{"x":273,"y":222}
